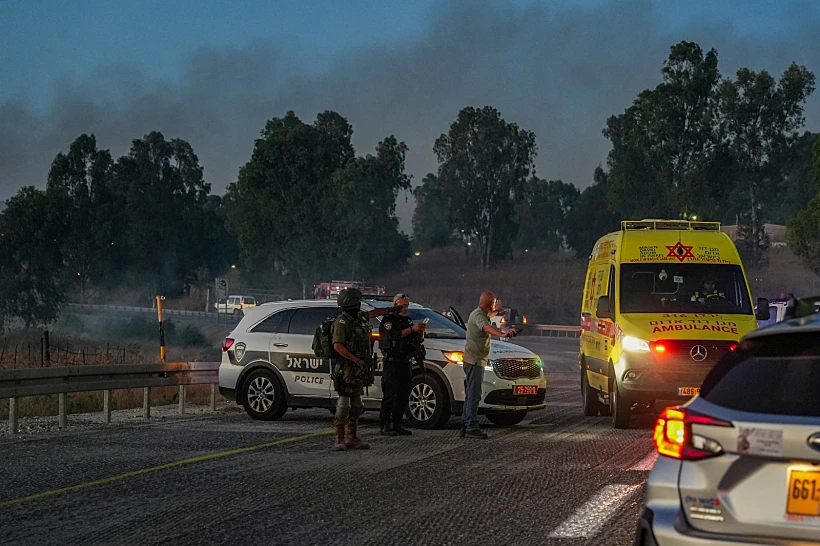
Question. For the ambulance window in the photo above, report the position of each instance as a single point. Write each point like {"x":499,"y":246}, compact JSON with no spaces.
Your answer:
{"x":601,"y":280}
{"x":305,"y":321}
{"x":588,"y":292}
{"x":277,"y":323}
{"x":612,"y":291}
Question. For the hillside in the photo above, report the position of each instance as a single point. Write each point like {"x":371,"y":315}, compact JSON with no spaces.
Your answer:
{"x":547,"y":287}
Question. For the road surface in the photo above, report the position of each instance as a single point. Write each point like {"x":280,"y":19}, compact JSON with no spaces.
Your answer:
{"x":557,"y":478}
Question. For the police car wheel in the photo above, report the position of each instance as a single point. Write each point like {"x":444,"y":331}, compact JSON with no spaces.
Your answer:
{"x":263,"y":397}
{"x":428,"y":406}
{"x":507,"y":418}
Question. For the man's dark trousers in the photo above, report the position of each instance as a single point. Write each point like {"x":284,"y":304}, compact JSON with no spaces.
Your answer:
{"x":395,"y":390}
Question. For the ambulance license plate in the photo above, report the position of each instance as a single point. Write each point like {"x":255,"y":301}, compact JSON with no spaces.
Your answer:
{"x":803,"y":498}
{"x":525,"y":389}
{"x":688,"y":391}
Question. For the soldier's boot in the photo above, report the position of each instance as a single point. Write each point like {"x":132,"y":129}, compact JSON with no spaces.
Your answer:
{"x":339,"y":445}
{"x":353,"y":441}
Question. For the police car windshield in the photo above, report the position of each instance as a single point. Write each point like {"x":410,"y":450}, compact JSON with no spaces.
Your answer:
{"x":439,"y":326}
{"x":683,"y":288}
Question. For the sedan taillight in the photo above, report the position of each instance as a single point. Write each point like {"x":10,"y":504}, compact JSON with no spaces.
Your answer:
{"x":227,"y":344}
{"x":673,"y":435}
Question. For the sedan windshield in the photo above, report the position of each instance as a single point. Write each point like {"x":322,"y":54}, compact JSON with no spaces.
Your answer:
{"x":439,"y":326}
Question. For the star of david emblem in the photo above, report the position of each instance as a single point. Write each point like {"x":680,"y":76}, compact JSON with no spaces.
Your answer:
{"x":680,"y":252}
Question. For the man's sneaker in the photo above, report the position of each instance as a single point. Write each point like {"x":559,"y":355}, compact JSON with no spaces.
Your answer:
{"x":462,"y":431}
{"x":401,"y":430}
{"x":475,"y":433}
{"x":388,"y":430}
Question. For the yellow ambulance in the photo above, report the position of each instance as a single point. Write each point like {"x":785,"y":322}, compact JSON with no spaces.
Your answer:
{"x":663,"y":301}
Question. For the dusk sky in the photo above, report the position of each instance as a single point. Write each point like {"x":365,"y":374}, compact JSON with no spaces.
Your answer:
{"x":213,"y":72}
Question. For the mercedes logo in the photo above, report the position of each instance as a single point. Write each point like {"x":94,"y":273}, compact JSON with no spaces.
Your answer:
{"x":698,"y":353}
{"x":814,"y":441}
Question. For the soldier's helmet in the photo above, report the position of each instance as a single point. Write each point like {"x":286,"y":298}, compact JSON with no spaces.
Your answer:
{"x":350,"y":298}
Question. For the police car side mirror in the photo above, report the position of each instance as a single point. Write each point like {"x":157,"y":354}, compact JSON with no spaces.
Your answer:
{"x":763,"y":309}
{"x":602,"y":308}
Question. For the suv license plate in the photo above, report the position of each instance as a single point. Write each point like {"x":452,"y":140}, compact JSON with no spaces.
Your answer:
{"x":525,"y":389}
{"x":803,"y":498}
{"x":688,"y":391}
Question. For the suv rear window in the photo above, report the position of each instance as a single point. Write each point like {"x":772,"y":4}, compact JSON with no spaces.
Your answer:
{"x":277,"y":323}
{"x":778,"y":374}
{"x":306,"y":320}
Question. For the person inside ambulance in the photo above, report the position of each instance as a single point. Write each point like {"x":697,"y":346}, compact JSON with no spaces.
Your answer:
{"x":708,"y":291}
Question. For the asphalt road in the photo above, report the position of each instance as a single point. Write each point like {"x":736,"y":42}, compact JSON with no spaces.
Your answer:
{"x":558,"y":478}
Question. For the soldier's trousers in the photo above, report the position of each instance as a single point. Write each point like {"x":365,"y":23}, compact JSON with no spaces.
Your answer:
{"x":349,"y":408}
{"x":395,"y":391}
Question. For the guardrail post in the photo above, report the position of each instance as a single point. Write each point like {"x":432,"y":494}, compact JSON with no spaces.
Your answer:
{"x":13,"y":416}
{"x":107,"y":406}
{"x":63,"y":410}
{"x":213,"y":396}
{"x":146,"y":402}
{"x":181,"y":399}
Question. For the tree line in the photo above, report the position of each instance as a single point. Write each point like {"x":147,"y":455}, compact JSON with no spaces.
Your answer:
{"x":305,"y":207}
{"x":697,"y":146}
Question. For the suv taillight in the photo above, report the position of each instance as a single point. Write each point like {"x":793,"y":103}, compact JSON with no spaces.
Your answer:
{"x":227,"y":344}
{"x":673,"y":435}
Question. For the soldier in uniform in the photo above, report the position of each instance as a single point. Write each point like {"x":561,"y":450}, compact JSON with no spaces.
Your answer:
{"x":351,"y":341}
{"x":398,"y":340}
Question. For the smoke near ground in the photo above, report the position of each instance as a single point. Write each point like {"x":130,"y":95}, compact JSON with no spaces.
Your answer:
{"x":558,"y":72}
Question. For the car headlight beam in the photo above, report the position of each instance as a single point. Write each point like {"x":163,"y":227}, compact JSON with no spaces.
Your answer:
{"x":630,"y":343}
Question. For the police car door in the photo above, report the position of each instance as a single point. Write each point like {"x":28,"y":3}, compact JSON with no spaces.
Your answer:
{"x":304,"y":373}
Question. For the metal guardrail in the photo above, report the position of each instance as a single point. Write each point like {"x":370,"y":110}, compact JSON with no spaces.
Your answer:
{"x":558,"y":329}
{"x":127,"y":309}
{"x":20,"y":383}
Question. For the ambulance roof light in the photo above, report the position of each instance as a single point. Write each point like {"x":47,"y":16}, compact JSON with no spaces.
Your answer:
{"x":651,"y":224}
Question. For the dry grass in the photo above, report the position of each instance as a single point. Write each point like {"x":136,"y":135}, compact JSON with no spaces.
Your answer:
{"x":783,"y":273}
{"x":548,"y":287}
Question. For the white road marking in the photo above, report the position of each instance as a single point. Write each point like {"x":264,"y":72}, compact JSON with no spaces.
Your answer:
{"x":589,"y":518}
{"x":647,"y":462}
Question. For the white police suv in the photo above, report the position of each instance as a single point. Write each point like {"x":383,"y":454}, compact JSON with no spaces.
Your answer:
{"x":268,"y":366}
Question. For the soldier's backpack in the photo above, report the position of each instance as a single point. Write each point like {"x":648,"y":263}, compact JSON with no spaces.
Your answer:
{"x":323,"y":339}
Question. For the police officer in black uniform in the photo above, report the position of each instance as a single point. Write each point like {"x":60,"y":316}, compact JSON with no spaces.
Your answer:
{"x":399,"y":339}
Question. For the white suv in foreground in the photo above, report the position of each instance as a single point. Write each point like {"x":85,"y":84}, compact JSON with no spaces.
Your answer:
{"x":268,"y":366}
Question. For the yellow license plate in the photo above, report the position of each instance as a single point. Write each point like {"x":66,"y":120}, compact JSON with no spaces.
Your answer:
{"x":804,"y":493}
{"x":688,"y":391}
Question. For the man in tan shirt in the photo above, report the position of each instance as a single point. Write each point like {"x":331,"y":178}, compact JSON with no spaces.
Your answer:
{"x":476,"y":355}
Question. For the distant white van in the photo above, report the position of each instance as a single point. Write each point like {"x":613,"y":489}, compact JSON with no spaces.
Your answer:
{"x":235,"y":305}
